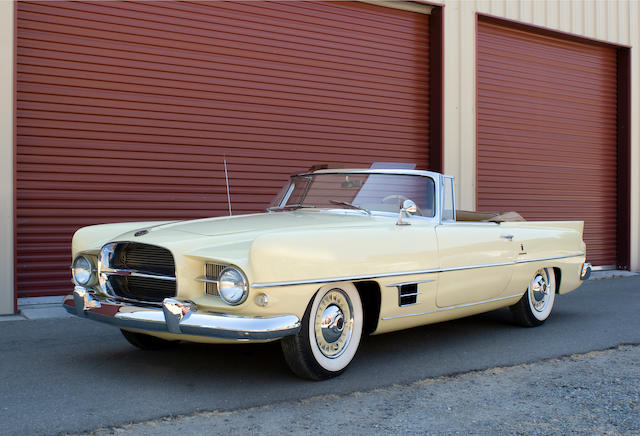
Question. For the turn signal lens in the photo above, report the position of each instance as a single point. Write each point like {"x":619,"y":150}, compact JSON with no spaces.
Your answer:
{"x":262,"y":300}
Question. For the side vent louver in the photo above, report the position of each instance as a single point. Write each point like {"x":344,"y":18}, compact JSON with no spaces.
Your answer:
{"x":407,"y":294}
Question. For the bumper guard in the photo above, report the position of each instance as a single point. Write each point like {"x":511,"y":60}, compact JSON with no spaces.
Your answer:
{"x":585,"y":272}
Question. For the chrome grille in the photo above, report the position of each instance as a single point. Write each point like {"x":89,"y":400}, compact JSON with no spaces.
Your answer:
{"x":142,"y":288}
{"x":212,"y":272}
{"x":137,"y":271}
{"x":144,"y":258}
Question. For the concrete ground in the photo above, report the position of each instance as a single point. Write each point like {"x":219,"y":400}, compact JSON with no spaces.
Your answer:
{"x":592,"y":393}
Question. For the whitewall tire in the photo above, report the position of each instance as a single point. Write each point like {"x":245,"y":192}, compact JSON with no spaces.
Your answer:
{"x":330,"y":333}
{"x":536,"y":304}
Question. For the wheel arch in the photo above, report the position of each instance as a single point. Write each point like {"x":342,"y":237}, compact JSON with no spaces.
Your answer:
{"x":370,"y":296}
{"x":557,"y":272}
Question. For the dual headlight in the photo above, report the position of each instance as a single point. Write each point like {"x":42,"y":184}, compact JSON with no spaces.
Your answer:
{"x":233,"y":286}
{"x":82,"y":270}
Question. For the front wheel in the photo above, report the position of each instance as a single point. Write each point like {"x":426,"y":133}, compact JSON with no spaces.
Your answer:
{"x":329,"y":336}
{"x":535,"y":306}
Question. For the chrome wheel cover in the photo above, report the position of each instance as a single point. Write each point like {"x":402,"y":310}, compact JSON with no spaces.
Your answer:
{"x":333,"y":324}
{"x":539,"y":291}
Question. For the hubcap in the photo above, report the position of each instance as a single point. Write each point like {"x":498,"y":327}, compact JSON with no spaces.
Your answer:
{"x":539,"y":292}
{"x":333,"y":323}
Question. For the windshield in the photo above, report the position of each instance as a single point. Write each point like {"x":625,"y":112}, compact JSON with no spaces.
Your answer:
{"x":365,"y":192}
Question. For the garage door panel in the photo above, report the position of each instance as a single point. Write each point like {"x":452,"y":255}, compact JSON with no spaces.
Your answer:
{"x":113,"y":109}
{"x":59,"y":46}
{"x":550,"y":90}
{"x":218,"y":87}
{"x":550,"y":48}
{"x":260,"y":97}
{"x":181,"y":104}
{"x":199,"y":76}
{"x":142,"y":125}
{"x":520,"y":110}
{"x":233,"y":45}
{"x":109,"y":104}
{"x":534,"y":123}
{"x":161,"y":92}
{"x":284,"y":29}
{"x":547,"y":132}
{"x":93,"y":139}
{"x":542,"y":71}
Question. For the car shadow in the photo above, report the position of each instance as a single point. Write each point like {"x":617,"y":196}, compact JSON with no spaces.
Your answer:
{"x":224,"y":377}
{"x":264,"y":363}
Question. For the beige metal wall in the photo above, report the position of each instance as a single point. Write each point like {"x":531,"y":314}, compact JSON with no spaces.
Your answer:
{"x":6,"y":158}
{"x":607,"y":20}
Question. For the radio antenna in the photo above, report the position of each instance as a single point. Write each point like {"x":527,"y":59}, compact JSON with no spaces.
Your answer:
{"x":226,"y":177}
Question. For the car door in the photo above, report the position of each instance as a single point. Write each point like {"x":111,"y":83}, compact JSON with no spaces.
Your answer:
{"x":476,"y":261}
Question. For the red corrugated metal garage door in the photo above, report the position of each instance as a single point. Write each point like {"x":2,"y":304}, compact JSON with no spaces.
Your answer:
{"x":125,"y":110}
{"x":547,"y":131}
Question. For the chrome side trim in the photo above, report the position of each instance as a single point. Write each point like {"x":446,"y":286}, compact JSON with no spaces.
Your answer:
{"x":406,"y":273}
{"x":395,"y":285}
{"x":444,"y":309}
{"x":548,"y":258}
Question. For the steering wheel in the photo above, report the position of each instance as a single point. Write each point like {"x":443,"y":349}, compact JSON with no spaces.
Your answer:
{"x":401,"y":198}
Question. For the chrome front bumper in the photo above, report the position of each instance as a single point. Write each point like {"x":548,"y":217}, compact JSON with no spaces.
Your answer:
{"x":179,"y":317}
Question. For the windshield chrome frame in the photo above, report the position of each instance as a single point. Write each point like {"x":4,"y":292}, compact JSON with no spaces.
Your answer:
{"x":437,"y":178}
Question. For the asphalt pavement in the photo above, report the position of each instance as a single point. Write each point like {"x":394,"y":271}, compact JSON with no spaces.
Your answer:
{"x":73,"y":375}
{"x":591,"y":393}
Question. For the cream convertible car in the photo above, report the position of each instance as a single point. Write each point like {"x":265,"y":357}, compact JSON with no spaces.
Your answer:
{"x":339,"y":254}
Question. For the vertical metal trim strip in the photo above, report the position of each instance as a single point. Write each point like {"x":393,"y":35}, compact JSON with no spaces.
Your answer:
{"x":624,"y":158}
{"x":436,"y":91}
{"x":15,"y":156}
{"x":475,"y":60}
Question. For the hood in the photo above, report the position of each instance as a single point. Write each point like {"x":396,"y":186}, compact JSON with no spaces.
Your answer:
{"x":230,"y":239}
{"x":198,"y":237}
{"x":263,"y":223}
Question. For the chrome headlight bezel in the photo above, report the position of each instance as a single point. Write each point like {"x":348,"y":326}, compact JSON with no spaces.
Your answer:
{"x":238,"y":292}
{"x":83,"y":275}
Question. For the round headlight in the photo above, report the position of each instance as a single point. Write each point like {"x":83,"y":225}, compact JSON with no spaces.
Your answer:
{"x":232,"y":286}
{"x":82,"y":270}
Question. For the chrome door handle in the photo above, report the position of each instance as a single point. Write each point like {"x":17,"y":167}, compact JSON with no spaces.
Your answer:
{"x":509,"y":237}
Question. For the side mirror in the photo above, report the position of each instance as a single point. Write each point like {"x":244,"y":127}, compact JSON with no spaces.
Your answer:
{"x":409,"y":209}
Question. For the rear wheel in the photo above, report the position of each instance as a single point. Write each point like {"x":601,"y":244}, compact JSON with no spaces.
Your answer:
{"x":535,"y":306}
{"x":329,"y":336}
{"x":147,"y":342}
